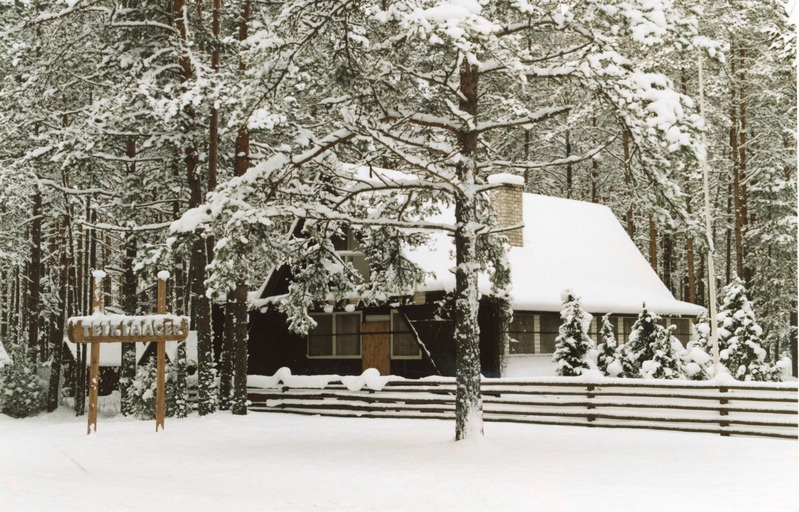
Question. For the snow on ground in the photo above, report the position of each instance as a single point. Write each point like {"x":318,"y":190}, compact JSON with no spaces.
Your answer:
{"x":281,"y":462}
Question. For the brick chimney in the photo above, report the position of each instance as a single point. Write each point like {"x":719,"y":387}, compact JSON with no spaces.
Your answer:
{"x":508,"y":205}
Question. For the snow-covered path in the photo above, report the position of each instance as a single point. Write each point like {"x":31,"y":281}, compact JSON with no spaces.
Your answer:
{"x":281,"y":462}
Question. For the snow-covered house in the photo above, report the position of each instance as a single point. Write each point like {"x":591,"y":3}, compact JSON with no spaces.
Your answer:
{"x":564,"y":244}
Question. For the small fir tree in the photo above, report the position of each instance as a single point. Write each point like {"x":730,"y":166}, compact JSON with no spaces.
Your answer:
{"x":740,"y":349}
{"x":666,"y":361}
{"x":613,"y":360}
{"x":642,"y":338}
{"x":21,"y":391}
{"x":144,"y":387}
{"x":573,"y":346}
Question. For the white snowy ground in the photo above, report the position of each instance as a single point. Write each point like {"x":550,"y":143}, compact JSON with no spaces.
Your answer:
{"x":281,"y":462}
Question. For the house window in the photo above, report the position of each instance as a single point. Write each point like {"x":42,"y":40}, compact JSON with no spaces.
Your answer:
{"x":550,"y":324}
{"x":533,"y":333}
{"x":336,"y":335}
{"x":403,"y":341}
{"x":682,"y":330}
{"x":626,"y":323}
{"x":522,"y":333}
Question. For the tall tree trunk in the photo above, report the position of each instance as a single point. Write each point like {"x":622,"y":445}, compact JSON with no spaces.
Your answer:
{"x":34,"y":277}
{"x":569,"y":167}
{"x":57,"y":331}
{"x":127,"y":369}
{"x":668,"y":249}
{"x":239,"y":310}
{"x":735,"y":153}
{"x":689,"y":249}
{"x":201,"y":309}
{"x":468,"y":400}
{"x":653,"y":244}
{"x":594,"y":172}
{"x":628,"y":181}
{"x":748,"y":273}
{"x":226,"y":355}
{"x":728,"y":236}
{"x":239,"y":399}
{"x":180,"y":303}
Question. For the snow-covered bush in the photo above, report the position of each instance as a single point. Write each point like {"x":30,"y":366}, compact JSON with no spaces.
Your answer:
{"x":613,"y":360}
{"x":574,"y":350}
{"x":740,"y":349}
{"x":697,"y":359}
{"x":666,"y":361}
{"x":143,"y":391}
{"x":22,"y":393}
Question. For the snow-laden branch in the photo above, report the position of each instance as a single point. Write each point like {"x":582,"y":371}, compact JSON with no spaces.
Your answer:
{"x":76,"y":191}
{"x":536,"y":117}
{"x":541,"y":165}
{"x":121,"y":229}
{"x":426,"y":120}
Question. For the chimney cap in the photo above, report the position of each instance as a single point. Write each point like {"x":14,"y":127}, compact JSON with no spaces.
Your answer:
{"x":506,"y":179}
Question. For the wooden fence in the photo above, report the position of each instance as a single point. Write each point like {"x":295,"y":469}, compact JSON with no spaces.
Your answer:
{"x":749,"y":409}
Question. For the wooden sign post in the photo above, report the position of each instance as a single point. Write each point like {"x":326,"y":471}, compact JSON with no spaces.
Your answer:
{"x":101,"y":328}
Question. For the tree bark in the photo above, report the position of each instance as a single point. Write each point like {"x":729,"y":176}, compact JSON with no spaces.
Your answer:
{"x":227,"y":356}
{"x":239,"y":399}
{"x":468,"y":400}
{"x":127,"y":369}
{"x":653,"y":244}
{"x":34,"y":277}
{"x":628,"y":181}
{"x":57,"y":330}
{"x":239,"y":308}
{"x":689,"y":249}
{"x":667,"y":261}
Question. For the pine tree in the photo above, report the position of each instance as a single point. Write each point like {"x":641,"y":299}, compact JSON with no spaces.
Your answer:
{"x":143,"y":391}
{"x":21,"y":391}
{"x":740,"y":350}
{"x":573,"y":347}
{"x":613,"y":360}
{"x":642,"y":338}
{"x":666,"y":361}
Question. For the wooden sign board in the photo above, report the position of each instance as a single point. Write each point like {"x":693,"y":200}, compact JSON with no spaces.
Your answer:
{"x":101,"y":328}
{"x":127,"y":329}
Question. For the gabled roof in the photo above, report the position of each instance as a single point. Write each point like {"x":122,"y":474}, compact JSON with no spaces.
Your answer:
{"x":567,"y":244}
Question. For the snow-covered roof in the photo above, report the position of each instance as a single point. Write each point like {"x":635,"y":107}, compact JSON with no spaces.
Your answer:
{"x":567,"y":244}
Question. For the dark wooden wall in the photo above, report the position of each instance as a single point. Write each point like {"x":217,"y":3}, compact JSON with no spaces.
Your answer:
{"x":272,"y":346}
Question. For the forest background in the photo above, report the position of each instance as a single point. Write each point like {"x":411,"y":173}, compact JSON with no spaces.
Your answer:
{"x":118,"y":118}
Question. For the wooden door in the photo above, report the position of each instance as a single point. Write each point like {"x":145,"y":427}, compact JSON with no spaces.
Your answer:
{"x":377,"y":346}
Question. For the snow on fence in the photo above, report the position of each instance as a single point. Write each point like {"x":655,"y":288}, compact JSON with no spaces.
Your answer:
{"x":749,"y":409}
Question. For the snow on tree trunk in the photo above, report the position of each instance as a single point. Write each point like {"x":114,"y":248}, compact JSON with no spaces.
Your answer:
{"x":239,"y":398}
{"x":206,"y":375}
{"x":468,"y":402}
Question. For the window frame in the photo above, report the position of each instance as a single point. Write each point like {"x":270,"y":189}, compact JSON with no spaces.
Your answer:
{"x":334,"y":335}
{"x":410,"y":332}
{"x":535,"y":333}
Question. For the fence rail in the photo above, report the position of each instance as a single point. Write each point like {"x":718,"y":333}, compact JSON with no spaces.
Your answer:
{"x":756,"y":409}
